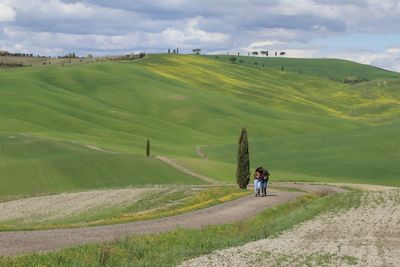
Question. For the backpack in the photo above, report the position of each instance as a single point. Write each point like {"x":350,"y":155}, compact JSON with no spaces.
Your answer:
{"x":265,"y":175}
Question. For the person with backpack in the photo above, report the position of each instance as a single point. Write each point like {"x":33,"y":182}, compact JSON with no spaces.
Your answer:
{"x":258,"y":179}
{"x":265,"y":178}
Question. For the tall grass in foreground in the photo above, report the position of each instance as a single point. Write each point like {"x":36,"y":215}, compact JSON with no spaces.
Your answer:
{"x":171,"y":248}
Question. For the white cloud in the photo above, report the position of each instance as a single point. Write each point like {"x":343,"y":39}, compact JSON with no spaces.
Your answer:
{"x":190,"y":35}
{"x":186,"y":36}
{"x":393,"y":50}
{"x":7,"y":13}
{"x":302,"y":53}
{"x":264,"y":44}
{"x":389,"y":59}
{"x":289,"y":7}
{"x":51,"y":8}
{"x":120,"y":26}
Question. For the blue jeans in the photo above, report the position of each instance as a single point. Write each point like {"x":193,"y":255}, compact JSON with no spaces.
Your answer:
{"x":265,"y":185}
{"x":257,"y":185}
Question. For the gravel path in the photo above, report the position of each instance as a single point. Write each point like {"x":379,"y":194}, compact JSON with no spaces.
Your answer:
{"x":14,"y":243}
{"x":183,"y":169}
{"x":200,"y":152}
{"x":365,"y":236}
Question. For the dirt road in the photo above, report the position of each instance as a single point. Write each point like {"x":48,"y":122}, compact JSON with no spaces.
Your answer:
{"x":183,"y":169}
{"x":15,"y":243}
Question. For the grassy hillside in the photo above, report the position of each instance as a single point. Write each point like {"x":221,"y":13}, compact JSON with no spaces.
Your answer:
{"x":335,"y":69}
{"x":357,"y":156}
{"x":31,"y":166}
{"x":295,"y":121}
{"x":118,"y":105}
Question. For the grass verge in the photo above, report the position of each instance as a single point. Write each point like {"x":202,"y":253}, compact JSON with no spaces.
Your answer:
{"x":171,"y":248}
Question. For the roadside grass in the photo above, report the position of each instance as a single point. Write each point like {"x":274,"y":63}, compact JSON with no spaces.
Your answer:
{"x":151,"y":206}
{"x":171,"y":248}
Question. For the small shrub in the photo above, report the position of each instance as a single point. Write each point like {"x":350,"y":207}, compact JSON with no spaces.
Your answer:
{"x":105,"y":254}
{"x":354,"y":80}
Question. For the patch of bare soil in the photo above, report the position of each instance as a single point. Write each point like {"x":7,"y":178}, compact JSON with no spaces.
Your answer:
{"x":38,"y":209}
{"x":365,"y":236}
{"x":365,"y":187}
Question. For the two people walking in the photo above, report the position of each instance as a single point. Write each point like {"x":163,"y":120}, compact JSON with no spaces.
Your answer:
{"x":261,"y":177}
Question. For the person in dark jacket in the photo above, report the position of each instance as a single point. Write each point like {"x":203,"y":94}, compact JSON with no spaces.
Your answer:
{"x":264,"y":184}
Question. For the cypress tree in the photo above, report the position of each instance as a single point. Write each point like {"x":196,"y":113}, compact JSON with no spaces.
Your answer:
{"x":243,"y":161}
{"x":148,"y":148}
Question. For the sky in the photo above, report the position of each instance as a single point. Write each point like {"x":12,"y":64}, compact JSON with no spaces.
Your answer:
{"x":365,"y":31}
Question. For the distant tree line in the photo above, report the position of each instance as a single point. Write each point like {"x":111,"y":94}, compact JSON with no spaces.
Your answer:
{"x":129,"y":56}
{"x":9,"y":54}
{"x":266,"y":53}
{"x":69,"y":55}
{"x":196,"y":51}
{"x":173,"y":51}
{"x":354,"y":80}
{"x":6,"y":53}
{"x":62,"y":60}
{"x":11,"y":65}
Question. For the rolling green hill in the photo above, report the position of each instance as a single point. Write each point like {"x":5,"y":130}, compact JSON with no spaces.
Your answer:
{"x":355,"y":156}
{"x":300,"y":125}
{"x":335,"y":69}
{"x":32,"y":166}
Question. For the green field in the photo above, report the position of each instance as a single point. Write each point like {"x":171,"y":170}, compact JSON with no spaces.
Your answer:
{"x":302,"y":126}
{"x":35,"y":166}
{"x":335,"y":69}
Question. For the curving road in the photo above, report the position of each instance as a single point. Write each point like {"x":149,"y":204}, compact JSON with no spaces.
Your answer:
{"x":15,"y":243}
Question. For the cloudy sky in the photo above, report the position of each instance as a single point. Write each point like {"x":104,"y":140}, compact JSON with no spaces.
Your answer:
{"x":366,"y":31}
